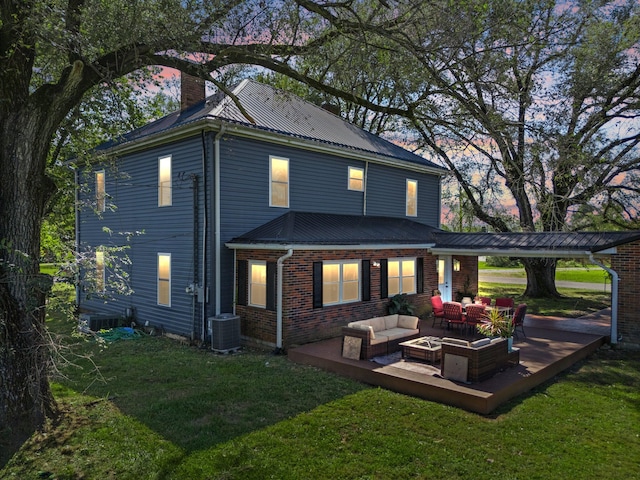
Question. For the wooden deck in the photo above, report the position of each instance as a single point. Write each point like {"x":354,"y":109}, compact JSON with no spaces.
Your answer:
{"x":551,"y":346}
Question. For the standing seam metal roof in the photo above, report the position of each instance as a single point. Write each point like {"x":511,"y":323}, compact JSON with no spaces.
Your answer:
{"x":277,"y":111}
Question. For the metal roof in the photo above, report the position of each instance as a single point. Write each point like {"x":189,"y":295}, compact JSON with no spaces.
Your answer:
{"x":532,"y":244}
{"x":281,"y":113}
{"x":321,"y":229}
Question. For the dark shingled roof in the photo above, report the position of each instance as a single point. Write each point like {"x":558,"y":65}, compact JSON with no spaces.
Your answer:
{"x":278,"y":112}
{"x":302,"y":228}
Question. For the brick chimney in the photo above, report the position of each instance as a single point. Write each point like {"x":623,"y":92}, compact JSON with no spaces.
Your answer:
{"x":192,"y":90}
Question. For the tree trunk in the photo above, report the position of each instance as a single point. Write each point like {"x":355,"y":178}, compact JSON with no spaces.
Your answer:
{"x":25,"y":396}
{"x":541,"y":277}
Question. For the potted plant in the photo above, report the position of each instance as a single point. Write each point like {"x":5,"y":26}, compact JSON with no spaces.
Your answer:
{"x":399,"y":304}
{"x":497,"y":325}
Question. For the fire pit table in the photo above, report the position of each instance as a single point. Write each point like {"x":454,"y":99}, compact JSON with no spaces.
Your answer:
{"x":428,"y":349}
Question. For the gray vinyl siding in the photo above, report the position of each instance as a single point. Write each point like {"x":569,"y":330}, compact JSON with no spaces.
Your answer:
{"x":134,"y":192}
{"x":386,"y":194}
{"x":317,"y":183}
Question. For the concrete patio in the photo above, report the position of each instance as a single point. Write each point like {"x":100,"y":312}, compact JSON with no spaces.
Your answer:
{"x":551,"y":346}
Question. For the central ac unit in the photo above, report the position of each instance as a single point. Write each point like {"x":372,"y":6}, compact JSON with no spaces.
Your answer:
{"x":225,"y":332}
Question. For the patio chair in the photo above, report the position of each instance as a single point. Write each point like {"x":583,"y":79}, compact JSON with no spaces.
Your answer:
{"x":518,"y":319}
{"x":438,"y":311}
{"x":485,"y":300}
{"x":453,"y":314}
{"x":505,"y":302}
{"x":476,"y":314}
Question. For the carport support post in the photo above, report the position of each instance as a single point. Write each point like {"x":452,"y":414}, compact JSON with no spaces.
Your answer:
{"x":614,"y":297}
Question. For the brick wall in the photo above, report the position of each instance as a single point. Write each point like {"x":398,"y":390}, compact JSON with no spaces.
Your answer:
{"x":627,"y":264}
{"x":301,"y":322}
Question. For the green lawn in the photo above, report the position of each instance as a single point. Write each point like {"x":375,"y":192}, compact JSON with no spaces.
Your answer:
{"x":161,"y":410}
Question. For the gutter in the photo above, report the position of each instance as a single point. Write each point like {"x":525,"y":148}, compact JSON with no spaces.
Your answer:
{"x":281,"y":261}
{"x":614,"y":297}
{"x":322,"y":247}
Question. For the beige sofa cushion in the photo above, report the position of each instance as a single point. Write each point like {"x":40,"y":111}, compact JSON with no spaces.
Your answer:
{"x":407,"y":321}
{"x":455,"y":341}
{"x":363,"y":325}
{"x":377,"y":323}
{"x":379,"y":339}
{"x":390,"y":321}
{"x":395,"y":333}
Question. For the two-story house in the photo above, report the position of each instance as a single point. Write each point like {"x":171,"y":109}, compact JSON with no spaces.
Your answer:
{"x":283,"y":214}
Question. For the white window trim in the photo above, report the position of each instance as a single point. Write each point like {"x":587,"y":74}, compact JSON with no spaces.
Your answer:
{"x":251,"y":283}
{"x":170,"y":202}
{"x":361,"y":170}
{"x":341,"y":281}
{"x":101,"y":203}
{"x":401,"y":276}
{"x":158,"y":279}
{"x":409,"y":180}
{"x":271,"y":181}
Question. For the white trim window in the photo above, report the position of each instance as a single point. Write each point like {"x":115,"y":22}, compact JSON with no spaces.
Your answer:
{"x":100,"y":191}
{"x":278,"y":182}
{"x":401,"y":274}
{"x":164,"y":279}
{"x":100,"y":271}
{"x":258,"y":284}
{"x":165,"y":194}
{"x":356,"y":179}
{"x":340,"y":282}
{"x":412,"y":198}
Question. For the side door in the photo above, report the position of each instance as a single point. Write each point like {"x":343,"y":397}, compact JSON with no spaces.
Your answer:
{"x":444,"y":277}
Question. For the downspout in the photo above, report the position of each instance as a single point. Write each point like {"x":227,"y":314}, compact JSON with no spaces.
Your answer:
{"x":216,"y":193}
{"x":614,"y":297}
{"x":281,"y":261}
{"x":205,"y":213}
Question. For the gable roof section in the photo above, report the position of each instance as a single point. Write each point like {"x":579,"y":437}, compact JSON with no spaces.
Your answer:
{"x":317,"y":230}
{"x":278,"y":112}
{"x":531,"y":244}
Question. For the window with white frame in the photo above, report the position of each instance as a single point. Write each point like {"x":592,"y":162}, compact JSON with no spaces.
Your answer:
{"x":356,"y":179}
{"x":100,"y":191}
{"x":100,"y":271}
{"x":258,"y":284}
{"x":164,"y":182}
{"x":401,"y":273}
{"x":278,"y":182}
{"x":164,"y":279}
{"x":412,"y":198}
{"x":340,"y":282}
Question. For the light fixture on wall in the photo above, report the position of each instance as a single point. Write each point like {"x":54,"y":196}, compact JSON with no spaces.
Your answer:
{"x":376,"y":264}
{"x":456,"y":265}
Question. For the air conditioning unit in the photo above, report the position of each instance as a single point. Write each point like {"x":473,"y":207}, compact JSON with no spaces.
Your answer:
{"x":225,"y":332}
{"x":98,"y":321}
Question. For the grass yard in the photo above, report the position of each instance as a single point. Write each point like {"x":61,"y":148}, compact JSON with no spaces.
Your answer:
{"x":573,"y":303}
{"x":161,"y":410}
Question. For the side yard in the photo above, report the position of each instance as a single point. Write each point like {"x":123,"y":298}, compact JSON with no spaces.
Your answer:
{"x":156,"y":409}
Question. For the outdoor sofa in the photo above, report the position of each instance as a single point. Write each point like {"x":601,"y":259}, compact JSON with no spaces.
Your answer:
{"x":382,"y":335}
